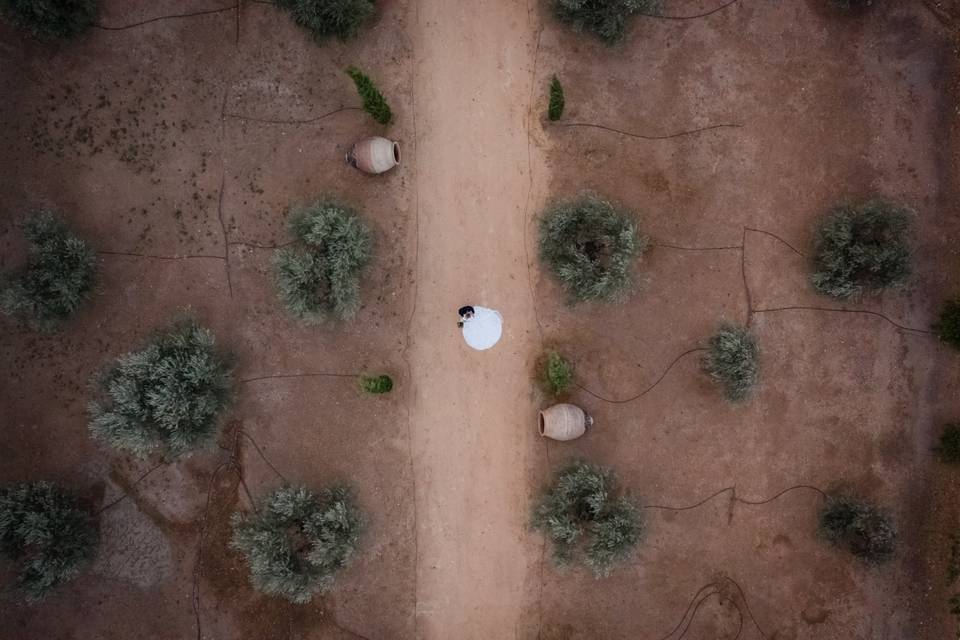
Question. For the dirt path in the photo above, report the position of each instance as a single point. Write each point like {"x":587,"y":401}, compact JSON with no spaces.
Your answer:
{"x":473,"y":435}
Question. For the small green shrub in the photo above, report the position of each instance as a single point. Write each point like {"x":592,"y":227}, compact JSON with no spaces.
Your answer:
{"x":557,"y":102}
{"x":860,"y":528}
{"x":733,"y":361}
{"x":58,"y":278}
{"x":590,"y":247}
{"x":51,"y":19}
{"x":168,"y":397}
{"x":323,"y":18}
{"x":557,"y":373}
{"x":321,"y":278}
{"x":861,"y":249}
{"x":297,"y":541}
{"x":376,"y":384}
{"x":606,"y":19}
{"x":949,"y":326}
{"x":43,"y":528}
{"x":581,"y":517}
{"x":373,"y":101}
{"x":949,"y":447}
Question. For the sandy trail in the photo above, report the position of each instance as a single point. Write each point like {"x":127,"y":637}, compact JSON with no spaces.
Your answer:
{"x":473,"y":433}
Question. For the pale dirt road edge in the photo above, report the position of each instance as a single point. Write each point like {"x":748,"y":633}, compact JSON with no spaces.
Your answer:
{"x":475,"y":452}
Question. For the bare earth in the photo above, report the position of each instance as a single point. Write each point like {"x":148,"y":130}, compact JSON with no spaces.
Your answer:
{"x":472,"y":443}
{"x":176,"y":145}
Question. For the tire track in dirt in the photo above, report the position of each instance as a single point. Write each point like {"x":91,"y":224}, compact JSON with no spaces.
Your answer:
{"x":727,"y":590}
{"x":473,"y":449}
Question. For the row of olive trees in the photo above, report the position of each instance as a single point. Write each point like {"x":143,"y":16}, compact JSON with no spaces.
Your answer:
{"x":169,"y":399}
{"x":317,"y":274}
{"x":609,"y":19}
{"x":606,"y":19}
{"x":166,"y":400}
{"x":295,"y":541}
{"x":593,"y":248}
{"x":589,"y":521}
{"x":62,"y":19}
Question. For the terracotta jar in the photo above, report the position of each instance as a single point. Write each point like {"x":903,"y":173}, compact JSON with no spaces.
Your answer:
{"x":564,"y":422}
{"x":374,"y":155}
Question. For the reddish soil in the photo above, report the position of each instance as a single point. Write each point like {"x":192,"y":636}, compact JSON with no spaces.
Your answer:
{"x":175,"y":146}
{"x":180,"y":140}
{"x":828,"y":108}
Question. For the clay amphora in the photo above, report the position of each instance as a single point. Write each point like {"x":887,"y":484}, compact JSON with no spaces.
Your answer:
{"x":564,"y":422}
{"x":374,"y":155}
